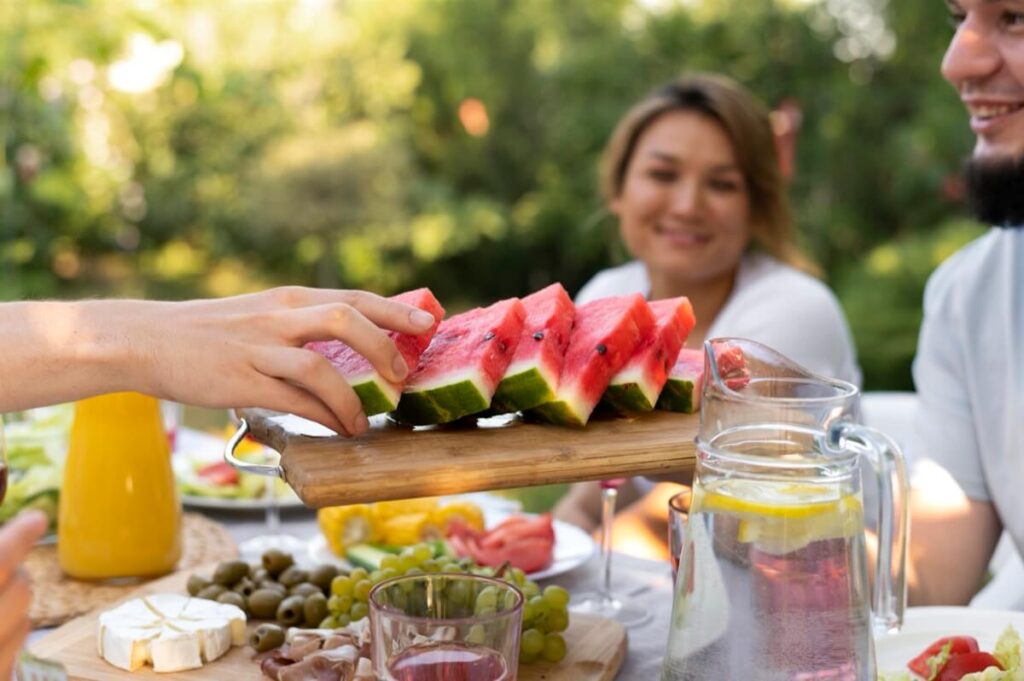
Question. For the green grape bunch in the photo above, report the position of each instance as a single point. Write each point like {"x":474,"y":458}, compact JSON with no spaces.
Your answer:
{"x":545,"y":612}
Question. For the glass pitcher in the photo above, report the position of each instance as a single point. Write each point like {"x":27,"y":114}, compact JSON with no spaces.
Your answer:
{"x":773,"y":581}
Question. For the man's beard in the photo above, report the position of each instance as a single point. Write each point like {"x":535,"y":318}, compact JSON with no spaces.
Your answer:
{"x":995,"y":190}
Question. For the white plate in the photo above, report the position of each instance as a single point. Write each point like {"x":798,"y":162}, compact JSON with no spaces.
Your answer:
{"x":220,"y":504}
{"x":573,"y":547}
{"x":922,"y":626}
{"x":193,"y":446}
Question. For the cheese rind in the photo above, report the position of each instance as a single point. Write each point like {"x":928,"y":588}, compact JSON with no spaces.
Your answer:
{"x":171,"y":632}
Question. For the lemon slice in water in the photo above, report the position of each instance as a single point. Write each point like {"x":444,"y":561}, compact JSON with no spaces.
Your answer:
{"x":780,"y":517}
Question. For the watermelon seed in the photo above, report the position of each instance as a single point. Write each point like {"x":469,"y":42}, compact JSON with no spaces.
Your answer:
{"x":601,"y":348}
{"x":538,"y":336}
{"x":489,"y":335}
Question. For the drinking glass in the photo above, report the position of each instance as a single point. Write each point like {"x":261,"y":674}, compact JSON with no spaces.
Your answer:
{"x":605,"y":603}
{"x":172,"y":414}
{"x":678,"y":510}
{"x":445,"y":626}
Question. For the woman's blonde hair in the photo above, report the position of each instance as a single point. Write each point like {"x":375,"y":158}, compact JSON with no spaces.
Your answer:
{"x":747,"y":123}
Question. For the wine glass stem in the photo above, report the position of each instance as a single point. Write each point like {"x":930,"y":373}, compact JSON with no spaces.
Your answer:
{"x":273,"y":513}
{"x":609,"y":495}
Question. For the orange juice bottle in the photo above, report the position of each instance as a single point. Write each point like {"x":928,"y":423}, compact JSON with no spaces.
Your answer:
{"x":119,"y":511}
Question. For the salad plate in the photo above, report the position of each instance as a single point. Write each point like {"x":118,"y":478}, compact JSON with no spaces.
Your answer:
{"x":573,"y":546}
{"x":195,"y":449}
{"x":922,"y":626}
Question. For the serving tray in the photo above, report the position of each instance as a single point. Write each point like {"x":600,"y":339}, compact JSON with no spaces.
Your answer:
{"x":596,"y":650}
{"x":391,"y":461}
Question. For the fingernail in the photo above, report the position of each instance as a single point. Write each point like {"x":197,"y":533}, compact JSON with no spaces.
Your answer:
{"x":360,"y":424}
{"x":401,"y":369}
{"x":421,"y":318}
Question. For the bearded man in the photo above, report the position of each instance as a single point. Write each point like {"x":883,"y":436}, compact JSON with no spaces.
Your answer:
{"x":968,"y":482}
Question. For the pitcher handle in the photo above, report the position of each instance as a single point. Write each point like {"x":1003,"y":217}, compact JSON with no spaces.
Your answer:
{"x":890,"y":594}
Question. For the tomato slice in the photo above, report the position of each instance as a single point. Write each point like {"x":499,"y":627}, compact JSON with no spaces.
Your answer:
{"x":958,"y":646}
{"x":219,"y":473}
{"x":516,"y":528}
{"x":966,"y":663}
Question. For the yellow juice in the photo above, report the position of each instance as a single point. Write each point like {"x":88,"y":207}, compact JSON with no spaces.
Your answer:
{"x":119,"y":510}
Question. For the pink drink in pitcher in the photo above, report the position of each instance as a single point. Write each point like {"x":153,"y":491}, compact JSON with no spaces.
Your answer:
{"x":787,"y":556}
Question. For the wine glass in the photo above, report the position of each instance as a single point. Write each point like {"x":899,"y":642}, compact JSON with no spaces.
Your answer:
{"x":273,"y":538}
{"x":3,"y":461}
{"x":605,"y":603}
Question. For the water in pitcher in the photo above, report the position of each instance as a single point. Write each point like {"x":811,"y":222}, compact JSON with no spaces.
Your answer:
{"x":777,"y":583}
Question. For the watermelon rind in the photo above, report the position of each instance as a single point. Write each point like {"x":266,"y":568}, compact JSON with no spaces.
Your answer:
{"x":679,"y":395}
{"x":377,"y":395}
{"x":564,"y":411}
{"x":525,"y":385}
{"x":631,"y":392}
{"x":443,"y":403}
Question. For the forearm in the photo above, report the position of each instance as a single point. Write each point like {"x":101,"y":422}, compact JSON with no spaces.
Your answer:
{"x":60,"y":351}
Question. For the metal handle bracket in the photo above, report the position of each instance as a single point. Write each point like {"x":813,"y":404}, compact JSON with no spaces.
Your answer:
{"x":269,"y":470}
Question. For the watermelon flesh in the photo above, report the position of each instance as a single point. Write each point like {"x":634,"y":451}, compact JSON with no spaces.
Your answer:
{"x":377,"y":394}
{"x":637,"y":385}
{"x":460,"y":370}
{"x":604,"y":336}
{"x":685,"y":380}
{"x":532,"y":376}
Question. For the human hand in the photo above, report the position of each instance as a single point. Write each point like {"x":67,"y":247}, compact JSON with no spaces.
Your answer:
{"x":247,"y":351}
{"x":16,"y":539}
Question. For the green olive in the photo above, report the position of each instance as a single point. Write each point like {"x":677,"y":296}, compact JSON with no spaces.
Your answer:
{"x":271,"y":584}
{"x":315,"y":609}
{"x":197,"y":583}
{"x":211,"y":592}
{"x":245,"y":587}
{"x":292,"y":576}
{"x":263,"y":603}
{"x":322,"y":575}
{"x":230,"y":572}
{"x":275,"y":562}
{"x":266,"y":637}
{"x":232,"y":598}
{"x":258,"y":573}
{"x":290,"y":613}
{"x":304,"y":589}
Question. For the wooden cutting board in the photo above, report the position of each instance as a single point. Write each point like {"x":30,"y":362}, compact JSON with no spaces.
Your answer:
{"x":396,"y":462}
{"x":596,"y":649}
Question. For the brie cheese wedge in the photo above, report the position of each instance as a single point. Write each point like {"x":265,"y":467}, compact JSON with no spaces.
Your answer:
{"x":171,"y":632}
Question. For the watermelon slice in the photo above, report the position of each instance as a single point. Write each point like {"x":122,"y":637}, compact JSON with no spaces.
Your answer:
{"x":377,"y":394}
{"x":685,"y":380}
{"x":467,"y":358}
{"x":604,"y":336}
{"x":532,"y":376}
{"x":637,"y":385}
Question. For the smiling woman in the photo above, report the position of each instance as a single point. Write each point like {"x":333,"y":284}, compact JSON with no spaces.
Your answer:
{"x":693,"y":175}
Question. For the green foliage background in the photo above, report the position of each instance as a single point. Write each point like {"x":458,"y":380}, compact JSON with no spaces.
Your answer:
{"x":320,"y":142}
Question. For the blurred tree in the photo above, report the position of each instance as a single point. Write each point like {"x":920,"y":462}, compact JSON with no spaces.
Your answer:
{"x":190,"y":147}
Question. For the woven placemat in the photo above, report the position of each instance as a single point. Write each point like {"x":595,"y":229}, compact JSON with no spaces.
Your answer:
{"x":58,"y":598}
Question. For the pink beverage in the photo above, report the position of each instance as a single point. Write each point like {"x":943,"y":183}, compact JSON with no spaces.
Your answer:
{"x":812,"y":586}
{"x":613,"y":483}
{"x":453,"y":661}
{"x":796,"y":613}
